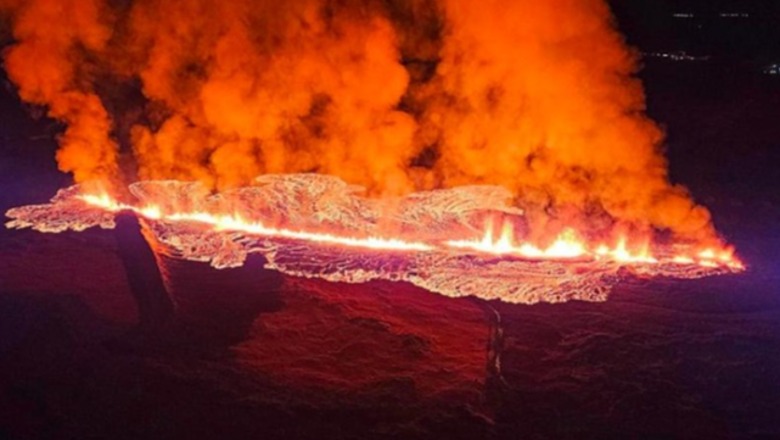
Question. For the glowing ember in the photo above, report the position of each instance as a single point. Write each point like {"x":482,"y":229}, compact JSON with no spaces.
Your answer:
{"x":284,"y":219}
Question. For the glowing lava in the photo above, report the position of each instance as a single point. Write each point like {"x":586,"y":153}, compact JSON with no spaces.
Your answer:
{"x":446,"y":241}
{"x":568,"y":244}
{"x":225,"y":222}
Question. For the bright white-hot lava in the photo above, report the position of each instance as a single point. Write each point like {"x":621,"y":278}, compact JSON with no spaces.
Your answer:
{"x":228,"y":222}
{"x":567,"y":245}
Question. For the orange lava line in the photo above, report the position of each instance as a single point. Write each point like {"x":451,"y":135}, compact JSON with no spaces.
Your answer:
{"x":566,"y":246}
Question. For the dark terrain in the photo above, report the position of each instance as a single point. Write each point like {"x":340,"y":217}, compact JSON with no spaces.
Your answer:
{"x":661,"y":359}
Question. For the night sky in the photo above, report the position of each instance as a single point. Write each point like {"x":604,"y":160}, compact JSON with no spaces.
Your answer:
{"x":652,"y":25}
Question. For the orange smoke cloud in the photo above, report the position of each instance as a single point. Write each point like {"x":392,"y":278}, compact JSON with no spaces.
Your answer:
{"x":539,"y":97}
{"x":394,"y":95}
{"x":256,"y":87}
{"x":50,"y":66}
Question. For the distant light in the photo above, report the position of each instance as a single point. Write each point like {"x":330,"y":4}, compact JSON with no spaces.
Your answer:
{"x":772,"y":69}
{"x":677,"y":56}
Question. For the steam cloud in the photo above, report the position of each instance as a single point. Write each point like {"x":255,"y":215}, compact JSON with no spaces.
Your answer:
{"x":394,"y":95}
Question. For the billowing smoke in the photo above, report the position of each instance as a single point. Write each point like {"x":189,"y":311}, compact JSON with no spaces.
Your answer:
{"x":50,"y":64}
{"x":394,"y":95}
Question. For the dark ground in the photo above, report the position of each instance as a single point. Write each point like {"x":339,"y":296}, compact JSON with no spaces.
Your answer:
{"x":693,"y":359}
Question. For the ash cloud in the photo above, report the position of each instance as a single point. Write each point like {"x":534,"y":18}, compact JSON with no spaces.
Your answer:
{"x":394,"y":95}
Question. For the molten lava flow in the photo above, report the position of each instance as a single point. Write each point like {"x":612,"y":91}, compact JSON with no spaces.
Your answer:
{"x":317,"y":226}
{"x":568,"y":244}
{"x":228,"y":222}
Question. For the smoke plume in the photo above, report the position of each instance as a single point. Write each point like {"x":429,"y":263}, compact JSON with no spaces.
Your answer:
{"x":394,"y":95}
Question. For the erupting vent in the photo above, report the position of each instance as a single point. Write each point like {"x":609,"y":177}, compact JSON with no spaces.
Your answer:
{"x":456,"y":242}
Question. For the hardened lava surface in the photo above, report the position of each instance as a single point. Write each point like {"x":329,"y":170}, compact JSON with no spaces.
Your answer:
{"x":309,"y":202}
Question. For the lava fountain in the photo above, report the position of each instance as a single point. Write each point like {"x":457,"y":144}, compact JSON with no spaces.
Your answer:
{"x":456,"y":242}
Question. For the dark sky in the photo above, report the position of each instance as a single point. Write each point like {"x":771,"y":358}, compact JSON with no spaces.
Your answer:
{"x":651,"y":26}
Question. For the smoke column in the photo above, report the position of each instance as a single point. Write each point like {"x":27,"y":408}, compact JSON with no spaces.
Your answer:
{"x":393,"y":95}
{"x":49,"y":65}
